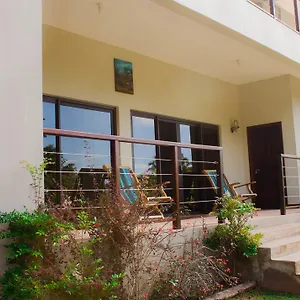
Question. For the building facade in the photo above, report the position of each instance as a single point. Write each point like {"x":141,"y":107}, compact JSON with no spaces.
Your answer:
{"x":200,"y":68}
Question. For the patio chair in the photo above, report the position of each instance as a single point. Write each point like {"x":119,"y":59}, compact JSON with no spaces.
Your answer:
{"x":132,"y":192}
{"x":230,"y":188}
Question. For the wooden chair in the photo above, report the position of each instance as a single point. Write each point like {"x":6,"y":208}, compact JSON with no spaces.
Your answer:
{"x":230,"y":188}
{"x":132,"y":192}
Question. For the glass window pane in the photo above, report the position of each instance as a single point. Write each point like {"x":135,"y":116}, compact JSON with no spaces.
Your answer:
{"x":264,"y":4}
{"x":185,"y":138}
{"x":86,"y":120}
{"x":51,"y":178}
{"x":80,"y":158}
{"x":144,"y":155}
{"x":48,"y":115}
{"x":143,"y":128}
{"x":80,"y":153}
{"x":285,"y":11}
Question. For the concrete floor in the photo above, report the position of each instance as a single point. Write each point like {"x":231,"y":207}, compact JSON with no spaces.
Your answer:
{"x":210,"y":220}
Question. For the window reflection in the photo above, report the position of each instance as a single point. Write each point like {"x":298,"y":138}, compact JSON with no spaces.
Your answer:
{"x":85,"y":153}
{"x":48,"y":115}
{"x":86,"y":120}
{"x":74,"y":161}
{"x":285,"y":11}
{"x":144,"y":155}
{"x":185,"y":138}
{"x":264,"y":4}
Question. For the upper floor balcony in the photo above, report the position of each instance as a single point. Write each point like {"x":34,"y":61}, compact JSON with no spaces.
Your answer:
{"x":285,"y":11}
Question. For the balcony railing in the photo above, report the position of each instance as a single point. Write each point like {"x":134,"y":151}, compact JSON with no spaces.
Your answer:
{"x":286,"y":11}
{"x":290,"y":174}
{"x":189,"y":187}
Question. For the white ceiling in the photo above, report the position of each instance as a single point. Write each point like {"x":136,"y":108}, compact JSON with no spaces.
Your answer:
{"x":145,"y":27}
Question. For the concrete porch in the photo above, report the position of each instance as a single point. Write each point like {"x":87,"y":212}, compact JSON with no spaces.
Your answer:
{"x":277,"y":265}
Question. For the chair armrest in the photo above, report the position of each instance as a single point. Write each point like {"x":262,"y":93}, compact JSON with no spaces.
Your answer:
{"x":160,"y":198}
{"x":161,"y":184}
{"x":244,"y":184}
{"x":249,"y":195}
{"x":234,"y":184}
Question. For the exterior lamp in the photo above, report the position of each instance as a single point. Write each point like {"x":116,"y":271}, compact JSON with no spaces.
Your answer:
{"x":234,"y":126}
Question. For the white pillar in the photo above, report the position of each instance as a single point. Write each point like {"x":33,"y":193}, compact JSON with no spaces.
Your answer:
{"x":20,"y":98}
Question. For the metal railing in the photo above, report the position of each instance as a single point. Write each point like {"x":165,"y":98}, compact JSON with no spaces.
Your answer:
{"x":289,"y":17}
{"x":290,"y":174}
{"x":174,"y":160}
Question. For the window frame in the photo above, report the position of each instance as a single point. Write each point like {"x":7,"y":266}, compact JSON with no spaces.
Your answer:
{"x":58,"y":102}
{"x":157,"y":118}
{"x":178,"y":121}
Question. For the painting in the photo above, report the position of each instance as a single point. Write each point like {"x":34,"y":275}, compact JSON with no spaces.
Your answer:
{"x":123,"y":76}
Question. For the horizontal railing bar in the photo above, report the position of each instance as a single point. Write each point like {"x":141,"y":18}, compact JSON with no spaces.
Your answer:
{"x":289,"y":167}
{"x":74,"y":172}
{"x":78,"y":154}
{"x":291,"y":176}
{"x":199,"y":161}
{"x":73,"y":190}
{"x":195,"y":175}
{"x":145,"y":158}
{"x":291,"y":187}
{"x":98,"y":136}
{"x":195,"y":202}
{"x":291,"y":196}
{"x":150,"y":174}
{"x":198,"y":188}
{"x":290,"y":156}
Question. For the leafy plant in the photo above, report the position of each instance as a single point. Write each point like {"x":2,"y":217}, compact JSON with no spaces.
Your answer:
{"x":192,"y":274}
{"x":47,"y":258}
{"x":235,"y":236}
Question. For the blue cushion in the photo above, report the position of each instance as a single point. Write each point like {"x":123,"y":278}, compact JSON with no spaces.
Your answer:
{"x":213,"y":177}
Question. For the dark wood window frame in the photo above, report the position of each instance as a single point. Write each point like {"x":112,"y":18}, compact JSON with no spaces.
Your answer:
{"x":178,"y":121}
{"x":58,"y":102}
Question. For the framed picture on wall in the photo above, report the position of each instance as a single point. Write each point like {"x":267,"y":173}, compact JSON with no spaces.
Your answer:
{"x":123,"y":76}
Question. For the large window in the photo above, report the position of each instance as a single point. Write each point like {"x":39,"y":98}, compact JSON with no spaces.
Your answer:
{"x":72,"y":156}
{"x":156,"y":161}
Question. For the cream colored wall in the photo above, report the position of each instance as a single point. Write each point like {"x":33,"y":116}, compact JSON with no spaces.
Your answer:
{"x":270,"y":101}
{"x":295,"y":93}
{"x":20,"y":98}
{"x":80,"y":68}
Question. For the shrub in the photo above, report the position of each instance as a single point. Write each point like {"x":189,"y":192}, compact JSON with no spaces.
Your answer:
{"x":46,"y":258}
{"x":103,"y":249}
{"x":235,"y":236}
{"x":192,"y":274}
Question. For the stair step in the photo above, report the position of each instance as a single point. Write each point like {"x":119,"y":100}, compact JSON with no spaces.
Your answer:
{"x":293,"y":257}
{"x":283,"y":247}
{"x":278,"y":232}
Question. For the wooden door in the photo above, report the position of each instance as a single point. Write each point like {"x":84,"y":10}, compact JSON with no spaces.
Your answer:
{"x":265,"y":144}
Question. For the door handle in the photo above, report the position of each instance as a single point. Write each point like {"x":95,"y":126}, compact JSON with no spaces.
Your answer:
{"x":256,"y":171}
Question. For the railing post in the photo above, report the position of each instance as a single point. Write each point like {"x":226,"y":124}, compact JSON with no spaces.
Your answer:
{"x":283,"y":193}
{"x":115,"y":165}
{"x":296,"y":7}
{"x":272,"y":8}
{"x":175,"y":184}
{"x":220,"y":179}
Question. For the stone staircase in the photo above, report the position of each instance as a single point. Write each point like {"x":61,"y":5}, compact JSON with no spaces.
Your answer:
{"x":277,"y":266}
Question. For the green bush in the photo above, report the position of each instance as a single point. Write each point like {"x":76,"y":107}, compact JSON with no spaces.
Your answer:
{"x":47,"y":259}
{"x":234,"y":236}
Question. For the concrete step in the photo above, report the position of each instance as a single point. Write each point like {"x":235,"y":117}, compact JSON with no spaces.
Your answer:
{"x":277,"y":265}
{"x":278,"y":232}
{"x":271,"y":221}
{"x":282,"y":247}
{"x":293,"y":258}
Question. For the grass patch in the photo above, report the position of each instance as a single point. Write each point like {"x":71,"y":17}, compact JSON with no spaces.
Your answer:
{"x":265,"y":295}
